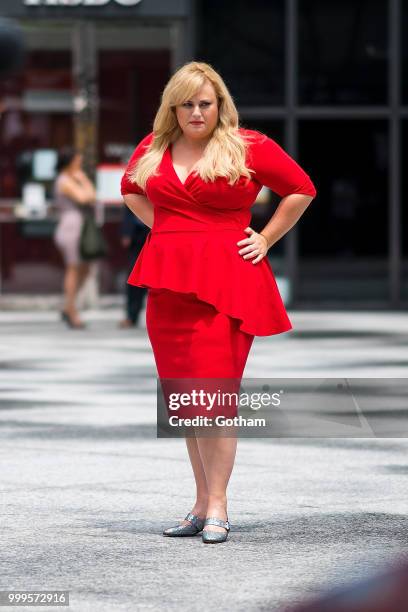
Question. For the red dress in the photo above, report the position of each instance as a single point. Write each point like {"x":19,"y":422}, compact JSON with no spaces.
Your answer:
{"x":205,"y":302}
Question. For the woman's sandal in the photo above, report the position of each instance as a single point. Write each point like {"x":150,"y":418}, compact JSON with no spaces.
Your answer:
{"x":196,"y":525}
{"x":213,"y":537}
{"x":65,"y":317}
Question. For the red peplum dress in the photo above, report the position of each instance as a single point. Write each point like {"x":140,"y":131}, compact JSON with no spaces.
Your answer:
{"x":206,"y":303}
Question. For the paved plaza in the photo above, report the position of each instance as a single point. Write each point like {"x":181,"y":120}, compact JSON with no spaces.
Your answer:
{"x":86,"y":486}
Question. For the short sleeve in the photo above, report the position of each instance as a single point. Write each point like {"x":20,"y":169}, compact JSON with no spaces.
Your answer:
{"x":275,"y":169}
{"x":126,"y":185}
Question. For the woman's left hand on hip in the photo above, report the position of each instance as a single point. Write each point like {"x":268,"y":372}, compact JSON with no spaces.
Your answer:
{"x":256,"y":246}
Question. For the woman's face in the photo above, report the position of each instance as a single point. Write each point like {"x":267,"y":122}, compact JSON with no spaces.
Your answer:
{"x":198,"y":116}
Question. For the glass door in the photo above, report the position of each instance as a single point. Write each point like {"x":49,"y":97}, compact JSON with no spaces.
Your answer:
{"x":37,"y":122}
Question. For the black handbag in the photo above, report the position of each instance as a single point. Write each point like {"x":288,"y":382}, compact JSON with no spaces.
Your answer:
{"x":92,"y":244}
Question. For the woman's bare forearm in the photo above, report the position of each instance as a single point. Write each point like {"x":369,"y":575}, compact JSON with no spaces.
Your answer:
{"x":141,"y":207}
{"x":91,"y":192}
{"x":88,"y":188}
{"x":289,"y":211}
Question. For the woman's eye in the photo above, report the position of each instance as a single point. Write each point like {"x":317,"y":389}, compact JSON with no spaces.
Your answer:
{"x":188,"y":104}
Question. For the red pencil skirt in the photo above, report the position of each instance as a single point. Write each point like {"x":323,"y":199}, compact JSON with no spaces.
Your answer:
{"x":191,"y":339}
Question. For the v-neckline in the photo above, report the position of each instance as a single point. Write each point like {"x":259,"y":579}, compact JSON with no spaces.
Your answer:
{"x":174,"y":170}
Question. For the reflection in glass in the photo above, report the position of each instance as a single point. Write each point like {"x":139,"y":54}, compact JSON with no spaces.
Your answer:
{"x":343,"y":52}
{"x":248,"y":54}
{"x":404,"y":50}
{"x":404,"y":211}
{"x":343,"y":235}
{"x":27,"y":127}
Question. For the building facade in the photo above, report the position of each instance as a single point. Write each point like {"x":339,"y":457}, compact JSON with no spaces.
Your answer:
{"x":325,"y":79}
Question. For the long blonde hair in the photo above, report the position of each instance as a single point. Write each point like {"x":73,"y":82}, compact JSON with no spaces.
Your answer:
{"x":225,"y":152}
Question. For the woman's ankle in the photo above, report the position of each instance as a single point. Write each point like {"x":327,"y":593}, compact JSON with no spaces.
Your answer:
{"x":217,"y":498}
{"x":217,"y":502}
{"x":71,"y":310}
{"x":200,"y":506}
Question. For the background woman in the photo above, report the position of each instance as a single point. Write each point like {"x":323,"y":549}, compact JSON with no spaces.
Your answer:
{"x":72,"y":190}
{"x":210,"y":286}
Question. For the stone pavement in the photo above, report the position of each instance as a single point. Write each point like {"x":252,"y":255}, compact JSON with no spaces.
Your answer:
{"x":86,"y":487}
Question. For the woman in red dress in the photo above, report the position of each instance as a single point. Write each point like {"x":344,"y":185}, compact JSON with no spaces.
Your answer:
{"x":211,"y":289}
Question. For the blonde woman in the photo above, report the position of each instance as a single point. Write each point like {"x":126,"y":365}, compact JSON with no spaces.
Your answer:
{"x":193,"y":180}
{"x":72,"y":190}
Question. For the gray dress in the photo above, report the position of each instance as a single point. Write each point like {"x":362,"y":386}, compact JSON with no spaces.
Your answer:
{"x":68,"y":230}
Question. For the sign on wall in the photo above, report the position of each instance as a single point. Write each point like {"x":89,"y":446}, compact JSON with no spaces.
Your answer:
{"x":79,"y":2}
{"x":99,"y":9}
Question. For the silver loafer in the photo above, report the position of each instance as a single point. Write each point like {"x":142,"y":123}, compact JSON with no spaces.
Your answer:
{"x":196,"y":525}
{"x":213,"y":537}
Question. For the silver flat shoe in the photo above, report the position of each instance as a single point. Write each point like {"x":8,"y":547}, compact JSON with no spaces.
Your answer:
{"x":196,"y":525}
{"x":213,"y":537}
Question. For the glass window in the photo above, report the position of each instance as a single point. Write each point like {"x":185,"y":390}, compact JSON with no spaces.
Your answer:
{"x":38,"y":116}
{"x":343,"y":51}
{"x":343,"y":235}
{"x":249,"y":53}
{"x":404,"y":210}
{"x":404,"y":44}
{"x":130,"y":83}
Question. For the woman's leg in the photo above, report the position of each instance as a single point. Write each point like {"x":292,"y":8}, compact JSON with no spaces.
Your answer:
{"x":70,"y":289}
{"x":75,"y":275}
{"x":218,"y":456}
{"x":83,"y":273}
{"x":200,"y":506}
{"x":190,"y":339}
{"x":222,"y":354}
